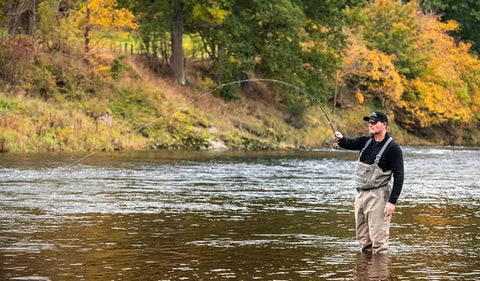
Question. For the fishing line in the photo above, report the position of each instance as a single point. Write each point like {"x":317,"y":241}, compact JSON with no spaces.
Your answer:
{"x":207,"y":93}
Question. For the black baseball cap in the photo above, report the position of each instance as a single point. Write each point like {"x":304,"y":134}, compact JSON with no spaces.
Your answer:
{"x":377,"y":116}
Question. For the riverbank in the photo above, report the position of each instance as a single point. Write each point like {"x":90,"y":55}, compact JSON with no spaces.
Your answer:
{"x":57,"y":101}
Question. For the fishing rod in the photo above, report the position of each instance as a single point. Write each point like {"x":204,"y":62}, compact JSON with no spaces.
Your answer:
{"x":288,"y":84}
{"x":335,"y":145}
{"x":207,"y":93}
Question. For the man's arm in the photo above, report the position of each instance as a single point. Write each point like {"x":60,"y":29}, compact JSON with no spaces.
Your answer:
{"x":353,"y":144}
{"x":396,"y":157}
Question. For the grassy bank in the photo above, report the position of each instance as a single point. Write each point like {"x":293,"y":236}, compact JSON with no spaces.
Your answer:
{"x":66,"y":101}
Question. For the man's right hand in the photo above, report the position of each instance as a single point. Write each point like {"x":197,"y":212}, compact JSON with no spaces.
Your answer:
{"x":337,"y":136}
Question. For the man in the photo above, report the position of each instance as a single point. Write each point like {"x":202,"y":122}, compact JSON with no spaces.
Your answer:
{"x":380,"y":158}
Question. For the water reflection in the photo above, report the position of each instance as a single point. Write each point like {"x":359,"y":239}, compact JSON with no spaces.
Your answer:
{"x":199,"y":216}
{"x":372,"y":267}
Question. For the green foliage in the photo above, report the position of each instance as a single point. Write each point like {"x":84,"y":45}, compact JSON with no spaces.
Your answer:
{"x":7,"y":106}
{"x":3,"y":15}
{"x":295,"y":114}
{"x":129,"y":103}
{"x":7,"y":141}
{"x":278,"y":39}
{"x":392,"y":28}
{"x":398,"y":59}
{"x":56,"y":30}
{"x":195,"y":141}
{"x":294,"y":40}
{"x":465,"y":12}
{"x":43,"y":81}
{"x":48,"y":23}
{"x":155,"y":23}
{"x":118,"y":66}
{"x":427,"y":79}
{"x":254,"y":144}
{"x":227,"y":73}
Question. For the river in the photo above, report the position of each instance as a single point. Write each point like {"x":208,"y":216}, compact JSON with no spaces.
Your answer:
{"x":191,"y":215}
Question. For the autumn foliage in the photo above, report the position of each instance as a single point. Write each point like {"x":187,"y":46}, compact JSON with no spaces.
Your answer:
{"x":60,"y":86}
{"x":107,"y":14}
{"x":407,"y":60}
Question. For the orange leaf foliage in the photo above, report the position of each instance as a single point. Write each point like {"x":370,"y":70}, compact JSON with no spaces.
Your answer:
{"x":449,"y":88}
{"x":434,"y":81}
{"x":371,"y":71}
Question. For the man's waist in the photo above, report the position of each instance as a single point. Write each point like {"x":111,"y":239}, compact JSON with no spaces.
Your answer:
{"x":367,"y":189}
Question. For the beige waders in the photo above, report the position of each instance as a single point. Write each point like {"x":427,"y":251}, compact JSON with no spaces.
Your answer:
{"x":373,"y":228}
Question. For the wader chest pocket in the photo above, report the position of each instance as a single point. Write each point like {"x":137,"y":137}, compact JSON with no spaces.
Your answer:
{"x":372,"y":176}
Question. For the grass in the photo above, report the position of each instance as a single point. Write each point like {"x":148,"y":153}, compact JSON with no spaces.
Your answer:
{"x":103,"y":101}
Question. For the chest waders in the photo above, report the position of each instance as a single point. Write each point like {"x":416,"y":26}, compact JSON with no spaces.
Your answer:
{"x":372,"y":226}
{"x":370,"y":176}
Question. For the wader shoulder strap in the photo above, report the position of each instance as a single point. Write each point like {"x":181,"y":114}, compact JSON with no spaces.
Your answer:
{"x":379,"y":155}
{"x":366,"y":145}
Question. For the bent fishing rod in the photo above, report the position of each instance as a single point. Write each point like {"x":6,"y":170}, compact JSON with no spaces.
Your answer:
{"x":293,"y":86}
{"x":207,"y":93}
{"x":335,"y":145}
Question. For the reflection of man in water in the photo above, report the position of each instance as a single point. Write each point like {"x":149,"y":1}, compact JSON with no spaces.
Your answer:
{"x":372,"y":267}
{"x":380,"y":157}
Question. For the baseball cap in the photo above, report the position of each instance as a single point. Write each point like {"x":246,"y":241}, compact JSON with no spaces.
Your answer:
{"x":377,"y":116}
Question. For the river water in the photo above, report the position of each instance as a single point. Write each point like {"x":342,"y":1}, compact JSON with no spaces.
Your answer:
{"x":234,"y":215}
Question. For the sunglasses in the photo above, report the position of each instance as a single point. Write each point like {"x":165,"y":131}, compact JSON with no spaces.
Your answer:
{"x":372,"y":122}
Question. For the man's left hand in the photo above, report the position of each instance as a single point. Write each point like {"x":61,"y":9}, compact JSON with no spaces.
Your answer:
{"x":389,"y":208}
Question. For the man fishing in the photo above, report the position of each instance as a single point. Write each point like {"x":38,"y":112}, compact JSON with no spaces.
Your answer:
{"x":380,"y":158}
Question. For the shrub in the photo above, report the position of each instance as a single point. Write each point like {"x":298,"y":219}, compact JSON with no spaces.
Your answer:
{"x":16,"y":54}
{"x":118,"y":66}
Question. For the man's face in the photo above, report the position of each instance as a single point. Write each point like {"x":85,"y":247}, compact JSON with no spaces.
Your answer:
{"x":375,"y":127}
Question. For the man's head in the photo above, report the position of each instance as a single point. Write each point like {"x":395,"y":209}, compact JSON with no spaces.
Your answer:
{"x":377,"y":122}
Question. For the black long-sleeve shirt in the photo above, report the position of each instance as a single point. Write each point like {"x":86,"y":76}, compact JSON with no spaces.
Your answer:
{"x":392,"y":159}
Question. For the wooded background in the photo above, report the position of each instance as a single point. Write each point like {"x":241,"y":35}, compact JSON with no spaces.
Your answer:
{"x":416,"y":60}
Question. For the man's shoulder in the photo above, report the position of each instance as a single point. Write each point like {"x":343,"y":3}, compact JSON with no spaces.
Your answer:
{"x":394,"y":146}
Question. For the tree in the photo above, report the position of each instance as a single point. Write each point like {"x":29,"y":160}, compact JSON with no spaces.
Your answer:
{"x":448,"y":92}
{"x":50,"y":24}
{"x":322,"y":43}
{"x":155,"y":19}
{"x":205,"y":21}
{"x":439,"y":79}
{"x":465,"y":12}
{"x":282,"y":40}
{"x":102,"y":14}
{"x":160,"y":20}
{"x":391,"y":27}
{"x":368,"y":72}
{"x":177,"y":58}
{"x":21,"y":16}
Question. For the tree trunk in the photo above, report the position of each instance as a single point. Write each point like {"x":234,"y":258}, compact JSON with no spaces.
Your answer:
{"x":87,"y":30}
{"x":176,"y":60}
{"x":335,"y":94}
{"x":164,"y":43}
{"x":21,"y":17}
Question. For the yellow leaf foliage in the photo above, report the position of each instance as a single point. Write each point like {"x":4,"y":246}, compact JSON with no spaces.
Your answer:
{"x":449,"y":88}
{"x":211,"y":13}
{"x":439,"y":82}
{"x":371,"y":72}
{"x":360,"y":97}
{"x":105,"y":13}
